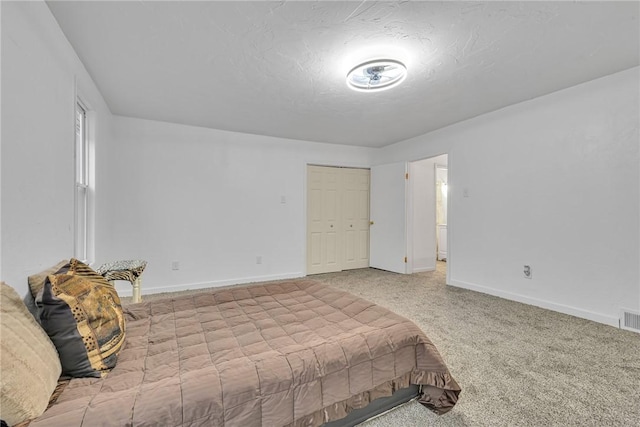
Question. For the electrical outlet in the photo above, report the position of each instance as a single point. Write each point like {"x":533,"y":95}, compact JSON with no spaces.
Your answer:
{"x":527,"y":272}
{"x":259,"y":259}
{"x":175,"y":265}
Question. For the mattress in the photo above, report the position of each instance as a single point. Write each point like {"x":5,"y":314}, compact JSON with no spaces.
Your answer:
{"x":291,"y":353}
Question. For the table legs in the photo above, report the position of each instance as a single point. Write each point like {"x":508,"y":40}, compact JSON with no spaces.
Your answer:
{"x":137,"y":296}
{"x":137,"y":289}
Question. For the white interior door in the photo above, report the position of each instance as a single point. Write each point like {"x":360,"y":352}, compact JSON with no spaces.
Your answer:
{"x":324,"y":207}
{"x":355,"y":214}
{"x":388,"y":245}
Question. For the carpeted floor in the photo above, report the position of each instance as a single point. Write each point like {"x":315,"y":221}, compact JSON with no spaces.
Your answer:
{"x":517,"y":365}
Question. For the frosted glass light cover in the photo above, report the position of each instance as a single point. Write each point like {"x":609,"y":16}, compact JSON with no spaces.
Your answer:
{"x":376,"y":75}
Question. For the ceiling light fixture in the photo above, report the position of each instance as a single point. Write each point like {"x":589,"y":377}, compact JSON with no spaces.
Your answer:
{"x":376,"y":75}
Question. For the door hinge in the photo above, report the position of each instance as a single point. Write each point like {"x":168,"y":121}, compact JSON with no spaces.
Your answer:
{"x":406,"y":175}
{"x":405,"y":260}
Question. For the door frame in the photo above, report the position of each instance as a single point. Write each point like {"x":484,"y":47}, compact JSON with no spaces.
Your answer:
{"x":435,"y":173}
{"x":450,"y":218}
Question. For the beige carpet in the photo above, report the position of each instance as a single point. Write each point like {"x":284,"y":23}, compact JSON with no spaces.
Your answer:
{"x":517,"y":365}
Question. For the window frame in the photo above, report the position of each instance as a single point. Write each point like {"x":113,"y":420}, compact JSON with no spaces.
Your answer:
{"x":82,"y":183}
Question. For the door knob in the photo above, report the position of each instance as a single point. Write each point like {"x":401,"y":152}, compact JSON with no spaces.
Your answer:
{"x":351,"y":225}
{"x":370,"y":222}
{"x":331,"y":226}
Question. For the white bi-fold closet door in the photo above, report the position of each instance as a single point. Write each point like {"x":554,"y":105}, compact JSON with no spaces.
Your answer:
{"x":337,"y":219}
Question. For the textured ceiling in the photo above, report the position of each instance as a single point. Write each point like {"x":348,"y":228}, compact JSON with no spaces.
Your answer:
{"x":279,"y":68}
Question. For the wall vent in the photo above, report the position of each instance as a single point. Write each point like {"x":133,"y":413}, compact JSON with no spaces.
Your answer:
{"x":630,"y":320}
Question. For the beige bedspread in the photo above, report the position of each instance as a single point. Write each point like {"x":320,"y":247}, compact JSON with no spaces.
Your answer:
{"x":290,"y":353}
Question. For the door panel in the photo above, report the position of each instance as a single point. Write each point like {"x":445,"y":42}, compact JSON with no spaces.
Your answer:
{"x":324,"y":240}
{"x":388,"y":212}
{"x":356,"y":218}
{"x":331,"y":252}
{"x":349,"y":247}
{"x":364,"y":217}
{"x":316,"y":249}
{"x":314,"y":219}
{"x":331,"y":204}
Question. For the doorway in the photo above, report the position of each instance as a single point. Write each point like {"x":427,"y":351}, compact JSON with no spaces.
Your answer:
{"x":426,"y":213}
{"x":442,"y":179}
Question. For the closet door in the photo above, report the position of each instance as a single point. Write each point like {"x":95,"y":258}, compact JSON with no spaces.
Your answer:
{"x":324,"y":225}
{"x":355,"y":218}
{"x":337,"y":219}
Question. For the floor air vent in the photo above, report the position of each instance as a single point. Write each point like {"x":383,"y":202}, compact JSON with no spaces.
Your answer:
{"x":630,"y":321}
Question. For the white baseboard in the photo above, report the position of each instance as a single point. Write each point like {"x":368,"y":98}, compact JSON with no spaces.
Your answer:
{"x":561,"y":308}
{"x":127,"y":292}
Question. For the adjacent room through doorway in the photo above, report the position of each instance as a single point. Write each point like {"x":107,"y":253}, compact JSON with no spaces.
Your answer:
{"x":427,"y":213}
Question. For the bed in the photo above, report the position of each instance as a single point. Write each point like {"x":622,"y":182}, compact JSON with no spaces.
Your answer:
{"x":294,"y":353}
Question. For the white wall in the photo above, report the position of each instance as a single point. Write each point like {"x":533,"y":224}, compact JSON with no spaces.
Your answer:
{"x":212,"y":201}
{"x":562,"y":197}
{"x":39,"y":71}
{"x":554,"y":183}
{"x":422,"y":213}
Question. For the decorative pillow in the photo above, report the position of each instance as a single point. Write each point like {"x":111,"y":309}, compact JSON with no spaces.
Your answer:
{"x":83,"y":316}
{"x":36,"y":281}
{"x":29,"y":364}
{"x":82,"y":269}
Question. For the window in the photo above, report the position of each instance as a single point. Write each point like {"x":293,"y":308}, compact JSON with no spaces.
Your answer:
{"x":82,"y":184}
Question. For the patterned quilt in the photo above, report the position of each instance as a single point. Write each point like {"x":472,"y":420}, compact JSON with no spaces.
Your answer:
{"x":288,"y":353}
